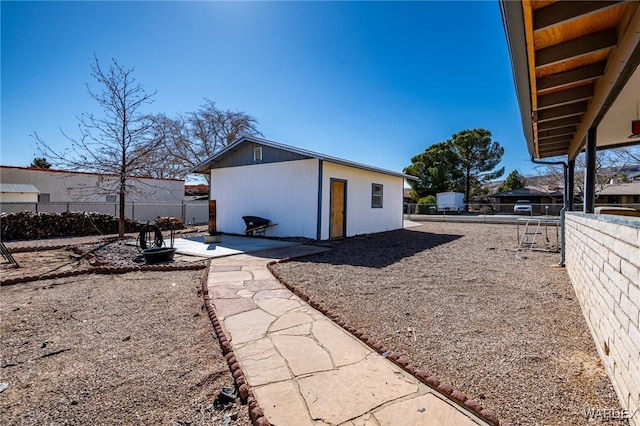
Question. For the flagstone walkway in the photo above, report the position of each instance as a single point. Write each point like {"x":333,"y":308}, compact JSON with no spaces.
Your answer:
{"x":305,"y":370}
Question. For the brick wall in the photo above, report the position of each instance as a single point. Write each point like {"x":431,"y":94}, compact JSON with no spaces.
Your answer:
{"x":603,"y":262}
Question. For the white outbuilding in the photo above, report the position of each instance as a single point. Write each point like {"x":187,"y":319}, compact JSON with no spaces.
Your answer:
{"x":302,"y":193}
{"x":18,"y":193}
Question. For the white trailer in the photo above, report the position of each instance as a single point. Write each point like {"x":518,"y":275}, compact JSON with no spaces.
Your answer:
{"x":450,"y":201}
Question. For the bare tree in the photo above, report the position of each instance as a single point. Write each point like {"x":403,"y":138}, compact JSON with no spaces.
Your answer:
{"x":610,"y":164}
{"x":190,"y":139}
{"x":160,"y":163}
{"x":628,"y":155}
{"x":117,"y":143}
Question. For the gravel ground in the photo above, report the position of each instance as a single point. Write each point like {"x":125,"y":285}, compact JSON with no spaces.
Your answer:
{"x":49,"y":256}
{"x":133,"y":348}
{"x":456,"y":301}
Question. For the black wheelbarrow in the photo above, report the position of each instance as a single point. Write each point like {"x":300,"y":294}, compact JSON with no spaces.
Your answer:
{"x":256,"y":225}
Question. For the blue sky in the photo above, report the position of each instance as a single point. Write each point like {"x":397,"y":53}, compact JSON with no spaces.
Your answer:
{"x":371,"y":82}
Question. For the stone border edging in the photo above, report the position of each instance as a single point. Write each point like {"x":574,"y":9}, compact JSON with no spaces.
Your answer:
{"x":24,"y":248}
{"x":28,"y":249}
{"x":401,"y":361}
{"x":97,"y":270}
{"x":246,"y":396}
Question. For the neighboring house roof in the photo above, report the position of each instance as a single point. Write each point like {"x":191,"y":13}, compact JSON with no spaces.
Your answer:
{"x":18,"y":188}
{"x":526,"y":192}
{"x":209,"y":163}
{"x":631,"y":188}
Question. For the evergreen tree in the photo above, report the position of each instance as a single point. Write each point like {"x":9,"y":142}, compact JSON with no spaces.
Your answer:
{"x":40,"y":163}
{"x":438,"y":170}
{"x":478,"y":156}
{"x":514,"y":181}
{"x":462,"y":164}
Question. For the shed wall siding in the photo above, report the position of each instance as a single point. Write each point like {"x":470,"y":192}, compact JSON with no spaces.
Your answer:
{"x":361,"y":217}
{"x":603,"y":262}
{"x":283,"y":192}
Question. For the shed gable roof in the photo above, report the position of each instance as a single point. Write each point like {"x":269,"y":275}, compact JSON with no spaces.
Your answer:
{"x":216,"y":160}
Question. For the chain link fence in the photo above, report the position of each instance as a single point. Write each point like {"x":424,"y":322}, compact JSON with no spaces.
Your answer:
{"x":544,"y":209}
{"x":483,"y":208}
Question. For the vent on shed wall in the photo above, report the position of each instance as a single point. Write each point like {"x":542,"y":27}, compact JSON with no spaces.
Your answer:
{"x":257,"y":153}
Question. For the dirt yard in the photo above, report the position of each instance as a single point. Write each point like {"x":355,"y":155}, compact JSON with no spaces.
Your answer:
{"x":456,"y":301}
{"x":134,"y":348}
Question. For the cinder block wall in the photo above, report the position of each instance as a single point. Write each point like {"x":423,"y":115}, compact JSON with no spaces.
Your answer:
{"x":603,"y":262}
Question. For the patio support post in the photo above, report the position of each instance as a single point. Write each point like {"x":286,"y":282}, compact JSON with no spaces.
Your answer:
{"x":590,"y":172}
{"x":213,"y":229}
{"x":319,"y":211}
{"x":571,"y":166}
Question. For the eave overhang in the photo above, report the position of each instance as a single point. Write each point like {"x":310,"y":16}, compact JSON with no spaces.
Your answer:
{"x":575,"y":66}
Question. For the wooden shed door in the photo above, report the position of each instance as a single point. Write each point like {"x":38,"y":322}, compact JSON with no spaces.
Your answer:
{"x":338,"y":208}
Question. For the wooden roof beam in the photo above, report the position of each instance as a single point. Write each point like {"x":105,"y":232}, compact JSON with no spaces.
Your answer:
{"x":564,"y":139}
{"x":554,"y":146}
{"x":561,"y":11}
{"x":554,"y":153}
{"x":565,"y":97}
{"x":561,"y":131}
{"x":556,"y":124}
{"x":609,"y":83}
{"x":577,"y":47}
{"x":572,"y":78}
{"x":562,"y":112}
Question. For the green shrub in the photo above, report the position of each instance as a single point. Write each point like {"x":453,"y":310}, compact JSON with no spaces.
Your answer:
{"x":426,"y":205}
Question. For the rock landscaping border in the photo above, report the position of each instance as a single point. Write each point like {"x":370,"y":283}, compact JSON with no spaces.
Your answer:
{"x":103,"y":269}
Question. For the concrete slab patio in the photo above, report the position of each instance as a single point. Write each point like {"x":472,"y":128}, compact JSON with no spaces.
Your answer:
{"x":302,"y":368}
{"x":230,"y":245}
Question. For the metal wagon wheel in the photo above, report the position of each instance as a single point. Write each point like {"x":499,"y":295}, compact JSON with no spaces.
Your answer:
{"x":150,"y":237}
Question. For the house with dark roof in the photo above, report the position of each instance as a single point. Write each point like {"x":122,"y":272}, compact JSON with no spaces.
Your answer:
{"x":538,"y":199}
{"x":624,"y":193}
{"x":302,"y":193}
